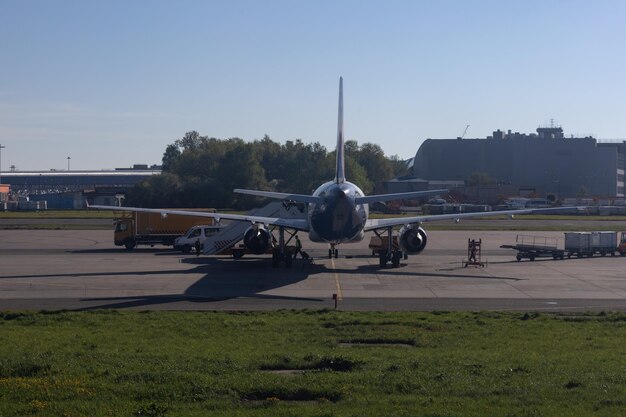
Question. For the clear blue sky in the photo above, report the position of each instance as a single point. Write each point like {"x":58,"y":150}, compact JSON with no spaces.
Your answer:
{"x":111,"y":83}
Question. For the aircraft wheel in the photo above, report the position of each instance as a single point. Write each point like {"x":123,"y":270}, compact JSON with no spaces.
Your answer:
{"x":395,"y":259}
{"x":336,"y":253}
{"x":382,"y":258}
{"x":330,"y":253}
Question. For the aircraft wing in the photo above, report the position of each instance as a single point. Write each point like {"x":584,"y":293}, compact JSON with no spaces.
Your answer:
{"x":299,"y":198}
{"x":297,"y":224}
{"x":373,"y":224}
{"x":368,"y":199}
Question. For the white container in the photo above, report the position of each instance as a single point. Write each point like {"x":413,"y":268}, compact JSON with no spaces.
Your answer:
{"x":577,"y":241}
{"x":603,"y":241}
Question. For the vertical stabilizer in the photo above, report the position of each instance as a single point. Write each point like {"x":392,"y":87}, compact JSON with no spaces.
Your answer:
{"x":340,"y":175}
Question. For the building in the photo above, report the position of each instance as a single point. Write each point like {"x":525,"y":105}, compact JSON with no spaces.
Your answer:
{"x":546,"y":162}
{"x":69,"y":189}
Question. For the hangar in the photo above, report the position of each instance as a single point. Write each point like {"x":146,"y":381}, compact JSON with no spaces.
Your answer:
{"x":545,"y":161}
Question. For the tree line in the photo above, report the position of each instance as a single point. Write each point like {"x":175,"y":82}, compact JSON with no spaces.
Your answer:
{"x":199,"y":171}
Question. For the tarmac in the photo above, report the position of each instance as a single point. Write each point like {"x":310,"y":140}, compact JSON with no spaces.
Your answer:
{"x":83,"y":270}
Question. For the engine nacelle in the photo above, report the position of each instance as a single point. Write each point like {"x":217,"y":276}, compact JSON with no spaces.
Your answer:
{"x":257,"y":239}
{"x":412,"y":239}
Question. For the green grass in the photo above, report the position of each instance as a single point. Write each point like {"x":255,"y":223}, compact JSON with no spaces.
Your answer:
{"x":495,"y":223}
{"x":112,"y":363}
{"x":55,"y":226}
{"x":59,"y":214}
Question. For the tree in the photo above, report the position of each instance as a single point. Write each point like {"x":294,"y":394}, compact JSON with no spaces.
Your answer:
{"x":199,"y":171}
{"x":157,"y":191}
{"x":241,"y":169}
{"x":190,"y":141}
{"x":171,"y":158}
{"x":378,"y":168}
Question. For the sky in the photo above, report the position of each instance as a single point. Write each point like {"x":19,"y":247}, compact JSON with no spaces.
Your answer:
{"x":112,"y":83}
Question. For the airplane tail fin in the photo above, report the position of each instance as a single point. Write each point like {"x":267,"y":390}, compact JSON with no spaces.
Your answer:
{"x":340,"y":176}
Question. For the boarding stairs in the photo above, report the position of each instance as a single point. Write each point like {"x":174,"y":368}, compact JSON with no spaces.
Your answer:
{"x":233,"y":233}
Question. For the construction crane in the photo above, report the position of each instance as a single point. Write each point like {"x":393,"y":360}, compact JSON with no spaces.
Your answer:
{"x":464,"y":132}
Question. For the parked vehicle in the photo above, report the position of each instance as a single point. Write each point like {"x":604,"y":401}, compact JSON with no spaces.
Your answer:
{"x":532,"y":247}
{"x":195,"y":236}
{"x":578,"y":244}
{"x":142,"y":228}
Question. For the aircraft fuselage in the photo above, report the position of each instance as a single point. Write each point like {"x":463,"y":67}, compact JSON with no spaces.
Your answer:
{"x":338,"y":219}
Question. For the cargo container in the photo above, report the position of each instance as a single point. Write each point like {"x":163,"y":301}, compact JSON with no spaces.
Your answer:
{"x":621,"y":248}
{"x":604,"y":242}
{"x":589,"y":243}
{"x":141,"y":228}
{"x":577,"y":244}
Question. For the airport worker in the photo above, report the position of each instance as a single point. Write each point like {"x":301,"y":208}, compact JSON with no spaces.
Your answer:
{"x":198,"y":247}
{"x":472,"y":257}
{"x":298,"y":248}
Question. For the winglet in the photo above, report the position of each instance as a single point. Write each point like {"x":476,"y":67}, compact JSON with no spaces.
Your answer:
{"x":340,"y":176}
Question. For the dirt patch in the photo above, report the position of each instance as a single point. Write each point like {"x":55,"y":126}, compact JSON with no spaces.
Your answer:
{"x":378,"y":342}
{"x":286,"y":371}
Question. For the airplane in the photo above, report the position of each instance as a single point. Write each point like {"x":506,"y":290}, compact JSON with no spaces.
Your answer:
{"x":338,"y":213}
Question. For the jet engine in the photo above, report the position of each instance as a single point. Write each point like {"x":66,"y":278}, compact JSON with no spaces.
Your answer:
{"x":257,"y":239}
{"x":412,"y":239}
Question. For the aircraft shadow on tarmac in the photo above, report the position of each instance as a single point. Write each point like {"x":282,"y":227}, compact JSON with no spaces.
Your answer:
{"x":147,"y":250}
{"x":227,"y":279}
{"x":219,"y":283}
{"x":224,"y":278}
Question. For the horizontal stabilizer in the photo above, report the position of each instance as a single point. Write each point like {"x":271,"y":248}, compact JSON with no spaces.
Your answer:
{"x":297,"y":224}
{"x":299,"y":198}
{"x":369,"y":199}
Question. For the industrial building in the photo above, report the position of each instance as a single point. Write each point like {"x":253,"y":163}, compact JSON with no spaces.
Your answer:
{"x":544,"y":164}
{"x":70,"y":189}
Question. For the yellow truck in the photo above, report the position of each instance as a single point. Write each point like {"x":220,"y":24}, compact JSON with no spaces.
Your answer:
{"x":139,"y":228}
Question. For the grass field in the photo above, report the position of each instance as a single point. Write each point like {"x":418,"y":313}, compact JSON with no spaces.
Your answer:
{"x":311,"y":363}
{"x":82,"y":220}
{"x":59,"y":214}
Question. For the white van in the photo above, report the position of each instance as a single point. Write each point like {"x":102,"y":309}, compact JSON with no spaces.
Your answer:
{"x":197,"y":233}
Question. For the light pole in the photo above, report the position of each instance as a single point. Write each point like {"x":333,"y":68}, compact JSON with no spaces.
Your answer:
{"x":1,"y":147}
{"x":68,"y":163}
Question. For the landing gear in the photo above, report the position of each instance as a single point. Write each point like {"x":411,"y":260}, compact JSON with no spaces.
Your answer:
{"x":333,"y":252}
{"x":394,"y":257}
{"x":280,"y":253}
{"x":382,"y":258}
